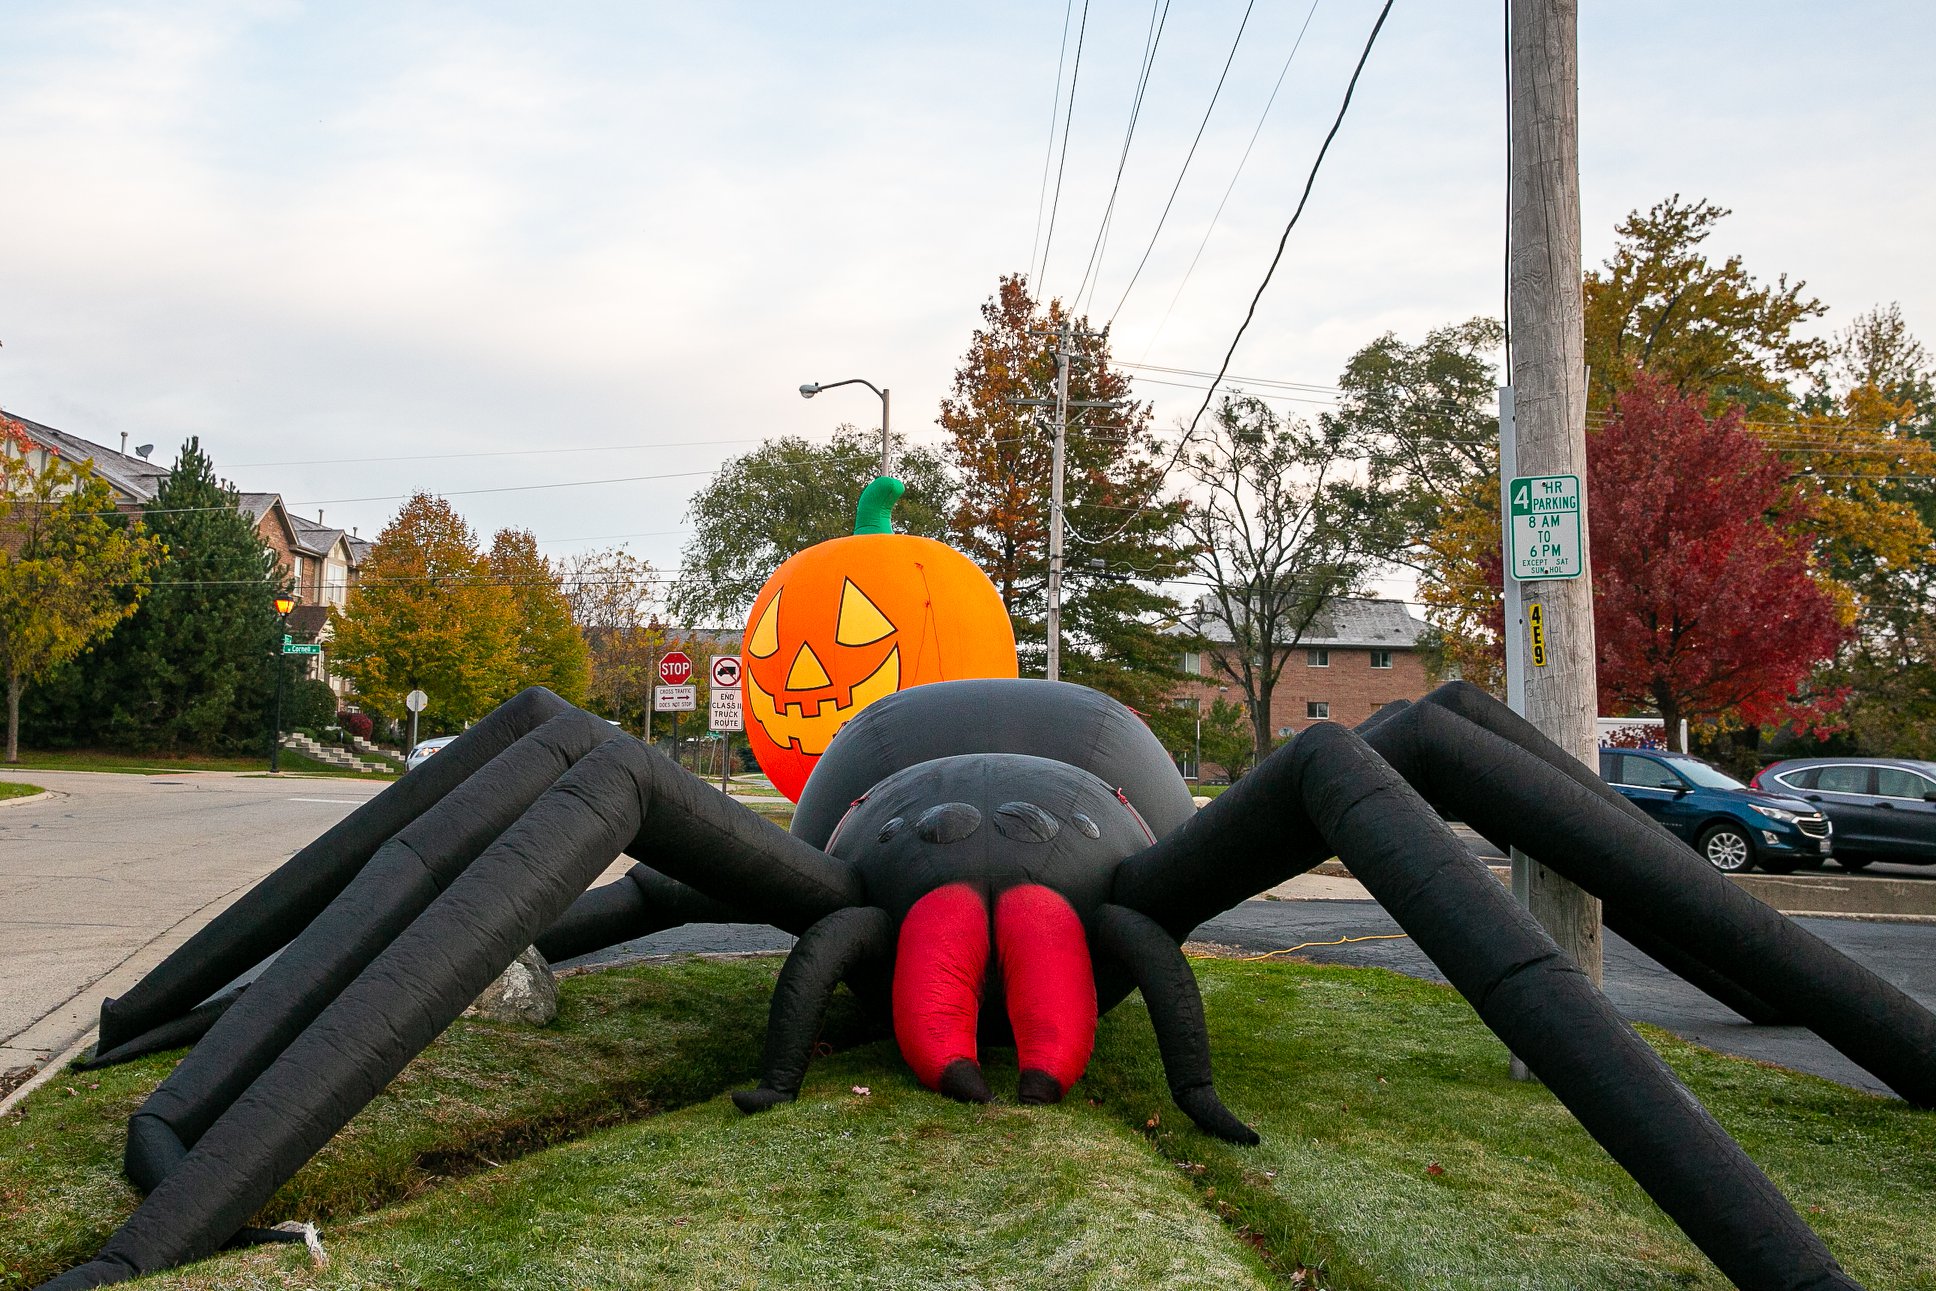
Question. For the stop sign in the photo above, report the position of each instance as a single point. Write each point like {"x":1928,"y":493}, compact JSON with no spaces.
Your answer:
{"x":675,"y":669}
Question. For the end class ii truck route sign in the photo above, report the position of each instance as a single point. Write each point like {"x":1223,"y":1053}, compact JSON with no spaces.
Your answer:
{"x":1543,"y":527}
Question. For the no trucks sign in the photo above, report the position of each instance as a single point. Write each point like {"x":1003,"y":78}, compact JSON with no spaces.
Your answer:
{"x":1543,"y":529}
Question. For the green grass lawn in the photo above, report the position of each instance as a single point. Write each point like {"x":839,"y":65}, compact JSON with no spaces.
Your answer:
{"x":167,"y":764}
{"x":601,"y":1152}
{"x":14,"y":789}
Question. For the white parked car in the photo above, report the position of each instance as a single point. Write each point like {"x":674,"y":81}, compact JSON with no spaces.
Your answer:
{"x":423,"y":751}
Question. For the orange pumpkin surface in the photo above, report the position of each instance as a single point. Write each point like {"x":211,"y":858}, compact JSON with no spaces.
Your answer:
{"x":850,"y":620}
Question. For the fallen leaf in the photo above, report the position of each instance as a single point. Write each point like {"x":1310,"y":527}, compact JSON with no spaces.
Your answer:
{"x":1155,"y":1120}
{"x":1435,"y":1169}
{"x":862,"y":1090}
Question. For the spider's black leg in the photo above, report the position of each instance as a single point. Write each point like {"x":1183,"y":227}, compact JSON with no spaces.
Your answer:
{"x":1329,"y":791}
{"x":858,"y":939}
{"x":1633,"y":927}
{"x":391,"y":890}
{"x":1467,"y":752}
{"x":641,"y":902}
{"x":621,"y":796}
{"x":282,"y":904}
{"x":1148,"y":955}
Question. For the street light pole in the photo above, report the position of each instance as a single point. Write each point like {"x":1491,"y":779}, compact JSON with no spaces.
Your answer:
{"x":284,"y":603}
{"x":812,"y":388}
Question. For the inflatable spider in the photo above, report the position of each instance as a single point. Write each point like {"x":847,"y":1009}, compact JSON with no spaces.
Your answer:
{"x":980,"y":861}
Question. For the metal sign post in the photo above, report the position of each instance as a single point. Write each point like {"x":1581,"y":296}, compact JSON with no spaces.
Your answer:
{"x":725,"y":715}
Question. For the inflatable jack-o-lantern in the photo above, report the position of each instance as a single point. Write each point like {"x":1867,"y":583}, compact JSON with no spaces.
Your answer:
{"x":847,"y":621}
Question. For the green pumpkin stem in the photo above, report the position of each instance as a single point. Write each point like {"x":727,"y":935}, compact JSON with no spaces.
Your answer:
{"x":875,"y":514}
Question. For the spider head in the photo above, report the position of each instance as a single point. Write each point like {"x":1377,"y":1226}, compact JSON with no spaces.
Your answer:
{"x":993,"y":821}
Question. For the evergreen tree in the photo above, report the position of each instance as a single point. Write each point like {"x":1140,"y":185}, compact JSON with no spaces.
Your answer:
{"x":194,"y":667}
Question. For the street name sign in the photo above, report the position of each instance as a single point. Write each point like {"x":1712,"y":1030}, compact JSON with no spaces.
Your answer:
{"x":675,"y":699}
{"x":1543,"y":529}
{"x":675,"y":669}
{"x":291,"y":647}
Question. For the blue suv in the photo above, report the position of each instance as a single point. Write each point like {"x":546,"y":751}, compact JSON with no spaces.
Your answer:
{"x":1733,"y":826}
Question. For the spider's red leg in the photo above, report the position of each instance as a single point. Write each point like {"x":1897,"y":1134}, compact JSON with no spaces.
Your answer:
{"x":940,"y":968}
{"x":1051,"y":989}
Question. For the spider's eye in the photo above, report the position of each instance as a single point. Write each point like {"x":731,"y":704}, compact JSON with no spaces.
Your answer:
{"x":1086,"y":825}
{"x":890,"y":829}
{"x":1025,"y":822}
{"x":949,"y":823}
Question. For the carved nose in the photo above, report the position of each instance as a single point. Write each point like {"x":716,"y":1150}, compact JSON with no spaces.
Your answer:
{"x":807,"y":673}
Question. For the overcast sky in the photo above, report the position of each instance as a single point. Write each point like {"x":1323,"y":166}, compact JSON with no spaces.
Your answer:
{"x":311,"y":233}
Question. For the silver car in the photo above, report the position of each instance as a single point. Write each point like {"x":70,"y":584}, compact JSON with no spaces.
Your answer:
{"x":424,"y":749}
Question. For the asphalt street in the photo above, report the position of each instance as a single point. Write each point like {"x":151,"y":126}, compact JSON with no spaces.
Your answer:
{"x":101,"y":880}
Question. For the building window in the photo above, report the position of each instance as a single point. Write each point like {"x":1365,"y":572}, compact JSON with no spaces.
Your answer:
{"x":1317,"y":658}
{"x":1381,"y":658}
{"x":1317,"y":708}
{"x":1193,"y":664}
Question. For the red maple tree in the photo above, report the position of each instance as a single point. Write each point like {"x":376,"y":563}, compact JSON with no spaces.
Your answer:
{"x":1705,"y":599}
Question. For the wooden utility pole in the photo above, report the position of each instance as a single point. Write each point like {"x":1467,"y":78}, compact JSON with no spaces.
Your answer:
{"x":1548,"y":408}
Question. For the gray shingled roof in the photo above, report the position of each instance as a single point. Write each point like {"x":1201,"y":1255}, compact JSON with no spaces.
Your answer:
{"x":257,"y":505}
{"x":312,"y":538}
{"x":1351,"y":622}
{"x":136,"y":480}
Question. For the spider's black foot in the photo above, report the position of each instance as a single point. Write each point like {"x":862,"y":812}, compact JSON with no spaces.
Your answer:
{"x":1203,"y":1106}
{"x":962,"y":1081}
{"x":1037,"y":1087}
{"x":758,"y":1100}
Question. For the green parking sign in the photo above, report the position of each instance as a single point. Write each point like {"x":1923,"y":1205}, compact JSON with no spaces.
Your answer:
{"x":1543,"y":527}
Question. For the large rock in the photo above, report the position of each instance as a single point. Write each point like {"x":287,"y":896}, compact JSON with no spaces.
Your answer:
{"x":525,"y":992}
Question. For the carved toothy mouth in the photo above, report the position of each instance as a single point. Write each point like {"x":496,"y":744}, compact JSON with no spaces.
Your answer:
{"x":813,"y":729}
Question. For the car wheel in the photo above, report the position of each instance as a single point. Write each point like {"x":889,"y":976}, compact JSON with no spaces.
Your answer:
{"x":1727,"y":849}
{"x":1854,"y":862}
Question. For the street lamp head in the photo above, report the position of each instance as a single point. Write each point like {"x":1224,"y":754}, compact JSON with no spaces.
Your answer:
{"x":285,"y":603}
{"x":809,"y":390}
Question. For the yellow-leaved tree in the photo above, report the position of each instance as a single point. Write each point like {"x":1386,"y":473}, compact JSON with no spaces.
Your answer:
{"x":547,"y":646}
{"x":71,"y":567}
{"x":428,"y":614}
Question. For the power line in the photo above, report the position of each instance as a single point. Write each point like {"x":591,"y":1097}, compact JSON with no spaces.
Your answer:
{"x":1309,"y":183}
{"x":1150,"y":42}
{"x":1048,"y":153}
{"x":1068,"y":118}
{"x":510,"y":452}
{"x":1232,"y":186}
{"x":1188,"y":157}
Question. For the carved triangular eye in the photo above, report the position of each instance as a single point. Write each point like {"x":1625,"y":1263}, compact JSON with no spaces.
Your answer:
{"x":766,"y":633}
{"x":861,"y":621}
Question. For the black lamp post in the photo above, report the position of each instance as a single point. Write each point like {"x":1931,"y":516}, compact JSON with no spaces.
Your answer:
{"x":284,"y":604}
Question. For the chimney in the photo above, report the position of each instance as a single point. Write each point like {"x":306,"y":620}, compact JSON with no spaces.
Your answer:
{"x":319,"y":515}
{"x":124,"y":443}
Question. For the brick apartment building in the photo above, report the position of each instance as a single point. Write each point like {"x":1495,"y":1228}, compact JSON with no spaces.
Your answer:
{"x":321,"y":563}
{"x":1359,"y":654}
